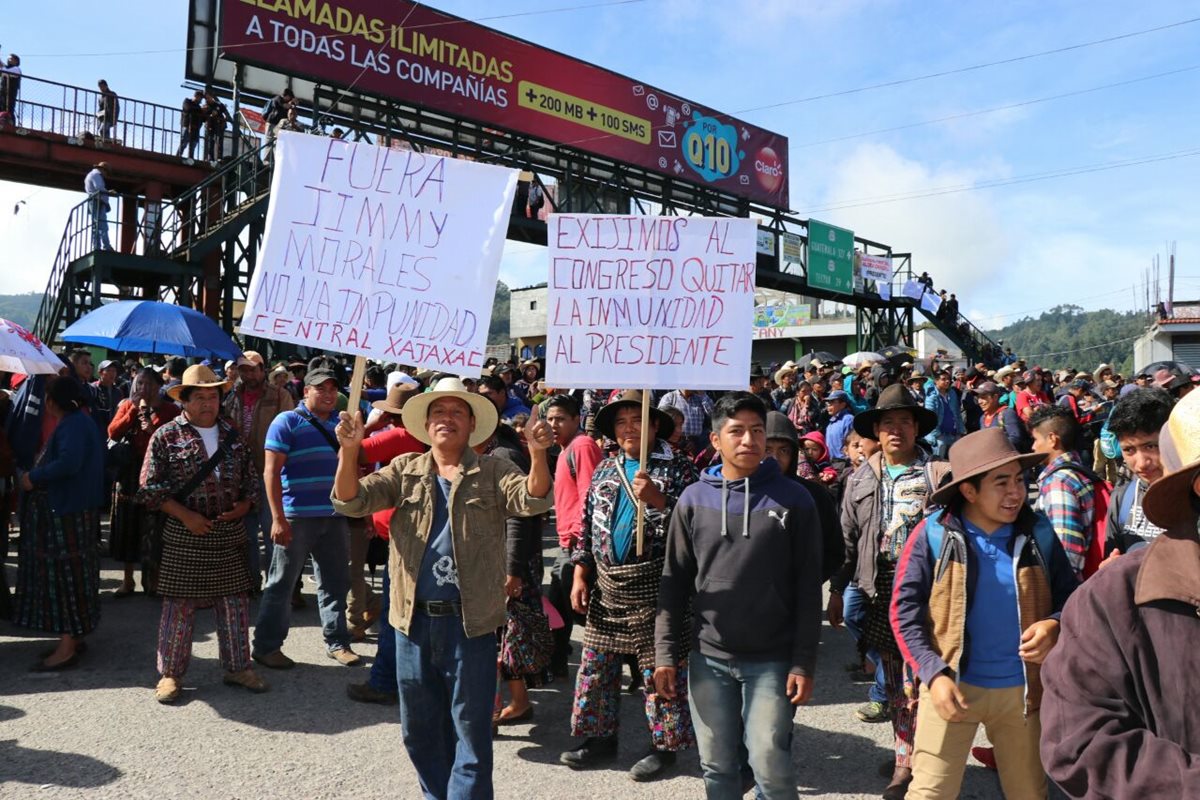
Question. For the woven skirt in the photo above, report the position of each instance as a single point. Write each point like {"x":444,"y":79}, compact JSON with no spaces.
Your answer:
{"x":58,"y":571}
{"x":211,"y":565}
{"x":128,"y":526}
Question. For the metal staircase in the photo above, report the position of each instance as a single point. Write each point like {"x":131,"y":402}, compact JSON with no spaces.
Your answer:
{"x":976,"y":346}
{"x":212,"y":229}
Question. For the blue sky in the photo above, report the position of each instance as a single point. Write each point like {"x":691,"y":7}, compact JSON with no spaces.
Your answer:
{"x":1007,"y":251}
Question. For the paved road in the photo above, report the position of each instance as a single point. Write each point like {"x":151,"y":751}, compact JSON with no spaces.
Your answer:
{"x":96,"y":732}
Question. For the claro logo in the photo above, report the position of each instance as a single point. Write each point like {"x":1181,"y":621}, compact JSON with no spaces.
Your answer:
{"x":769,"y":169}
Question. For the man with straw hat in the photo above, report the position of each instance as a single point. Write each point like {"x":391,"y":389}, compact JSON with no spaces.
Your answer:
{"x":1119,"y":714}
{"x":620,"y":611}
{"x":447,"y":570}
{"x":979,"y":589}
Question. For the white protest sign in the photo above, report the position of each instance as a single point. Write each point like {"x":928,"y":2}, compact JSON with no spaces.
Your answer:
{"x":650,"y":302}
{"x":913,"y":289}
{"x":382,"y":253}
{"x":875,"y":268}
{"x":931,"y":302}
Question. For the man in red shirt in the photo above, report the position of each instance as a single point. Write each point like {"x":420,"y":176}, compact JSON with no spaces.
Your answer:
{"x":1030,"y":394}
{"x":379,"y":449}
{"x":572,"y":477}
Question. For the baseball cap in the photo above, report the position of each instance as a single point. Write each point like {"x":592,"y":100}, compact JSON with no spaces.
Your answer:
{"x":318,"y":376}
{"x":250,"y":359}
{"x":106,"y":364}
{"x":987,"y":387}
{"x":837,"y":394}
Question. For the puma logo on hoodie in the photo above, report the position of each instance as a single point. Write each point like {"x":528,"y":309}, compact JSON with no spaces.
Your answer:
{"x":780,"y":517}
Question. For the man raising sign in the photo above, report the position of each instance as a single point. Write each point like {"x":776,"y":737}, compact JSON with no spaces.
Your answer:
{"x":447,"y":572}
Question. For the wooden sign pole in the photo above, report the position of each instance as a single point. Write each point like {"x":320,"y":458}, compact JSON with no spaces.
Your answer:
{"x":356,"y":384}
{"x":645,"y":446}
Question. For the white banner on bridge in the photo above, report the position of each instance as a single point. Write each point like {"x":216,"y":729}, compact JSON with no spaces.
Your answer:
{"x":650,"y":302}
{"x":875,"y":268}
{"x":382,"y":253}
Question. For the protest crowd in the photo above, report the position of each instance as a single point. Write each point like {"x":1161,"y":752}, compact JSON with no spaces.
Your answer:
{"x":1009,"y":548}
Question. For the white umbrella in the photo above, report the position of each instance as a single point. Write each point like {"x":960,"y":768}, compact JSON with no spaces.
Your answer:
{"x":863,"y":357}
{"x":21,"y":351}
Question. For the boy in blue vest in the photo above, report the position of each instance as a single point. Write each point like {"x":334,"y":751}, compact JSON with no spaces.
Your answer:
{"x":979,"y":590}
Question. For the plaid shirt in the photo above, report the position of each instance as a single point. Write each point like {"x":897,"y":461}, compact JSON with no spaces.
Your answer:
{"x":696,"y":409}
{"x":1067,"y":497}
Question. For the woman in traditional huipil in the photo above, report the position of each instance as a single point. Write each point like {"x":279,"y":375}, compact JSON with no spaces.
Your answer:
{"x":199,"y":473}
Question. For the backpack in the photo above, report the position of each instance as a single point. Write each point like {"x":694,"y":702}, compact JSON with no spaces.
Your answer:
{"x":1043,"y":537}
{"x":1101,"y":498}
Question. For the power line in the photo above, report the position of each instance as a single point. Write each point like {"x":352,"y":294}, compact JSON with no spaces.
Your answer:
{"x":1009,"y":107}
{"x":1082,"y":349}
{"x":513,"y":15}
{"x":917,"y":194}
{"x":972,"y":67}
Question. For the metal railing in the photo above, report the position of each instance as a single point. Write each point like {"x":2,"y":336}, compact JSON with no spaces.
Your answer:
{"x":206,"y":207}
{"x":73,"y":111}
{"x":165,"y":229}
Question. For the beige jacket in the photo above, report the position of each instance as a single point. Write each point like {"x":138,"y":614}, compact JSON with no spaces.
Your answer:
{"x":486,"y":492}
{"x":274,"y":401}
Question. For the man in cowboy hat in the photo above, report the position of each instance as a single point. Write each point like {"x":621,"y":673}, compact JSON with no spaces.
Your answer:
{"x":523,"y":388}
{"x":620,"y":612}
{"x":250,"y":408}
{"x":97,"y":191}
{"x":301,"y":457}
{"x":1119,"y":713}
{"x":979,"y":589}
{"x":882,"y":503}
{"x":447,"y":569}
{"x":785,"y":382}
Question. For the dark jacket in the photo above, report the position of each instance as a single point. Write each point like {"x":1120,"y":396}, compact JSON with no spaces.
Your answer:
{"x":1119,"y":714}
{"x":934,"y":591}
{"x":862,"y":521}
{"x":522,"y":535}
{"x":747,"y":556}
{"x":72,"y":470}
{"x":1007,"y":420}
{"x":833,"y":548}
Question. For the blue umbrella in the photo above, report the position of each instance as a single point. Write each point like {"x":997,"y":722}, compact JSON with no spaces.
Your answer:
{"x":144,"y":326}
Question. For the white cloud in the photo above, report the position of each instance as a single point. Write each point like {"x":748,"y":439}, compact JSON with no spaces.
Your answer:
{"x":959,"y":238}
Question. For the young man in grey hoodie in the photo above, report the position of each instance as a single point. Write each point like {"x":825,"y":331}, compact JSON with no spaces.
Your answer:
{"x":744,"y":552}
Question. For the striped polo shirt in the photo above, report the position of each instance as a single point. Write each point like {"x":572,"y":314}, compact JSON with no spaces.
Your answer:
{"x":311,"y":462}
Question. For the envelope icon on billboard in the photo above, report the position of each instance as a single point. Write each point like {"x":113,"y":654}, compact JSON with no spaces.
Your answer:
{"x":667,"y":139}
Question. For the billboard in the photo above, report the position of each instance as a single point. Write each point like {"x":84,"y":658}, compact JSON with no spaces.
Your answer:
{"x":415,"y":54}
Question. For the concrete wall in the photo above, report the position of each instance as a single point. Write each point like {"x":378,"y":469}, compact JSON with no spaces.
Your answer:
{"x":527,"y":313}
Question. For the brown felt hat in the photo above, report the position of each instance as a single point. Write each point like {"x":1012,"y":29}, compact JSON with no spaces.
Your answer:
{"x":1168,"y":501}
{"x":893,"y":398}
{"x":394,"y":403}
{"x":979,"y":453}
{"x":607,"y":416}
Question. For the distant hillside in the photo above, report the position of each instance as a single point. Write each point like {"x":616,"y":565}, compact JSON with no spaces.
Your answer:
{"x":498,"y":331}
{"x":1068,"y":336}
{"x":20,"y":308}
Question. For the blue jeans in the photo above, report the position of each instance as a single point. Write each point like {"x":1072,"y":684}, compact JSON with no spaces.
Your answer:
{"x":447,"y":684}
{"x":327,"y":539}
{"x":383,"y":670}
{"x":258,"y":522}
{"x":99,"y":206}
{"x":854,"y":612}
{"x":729,"y":697}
